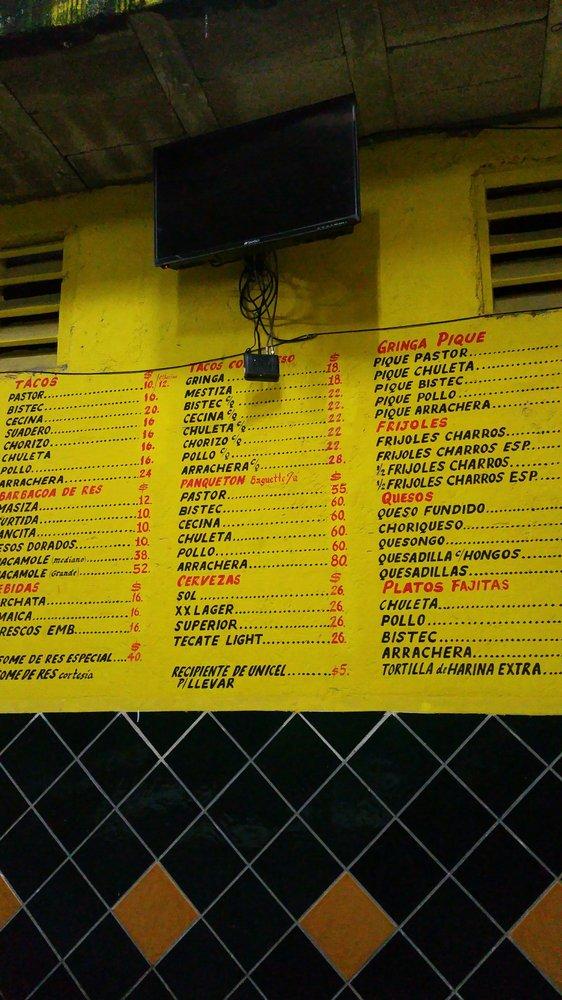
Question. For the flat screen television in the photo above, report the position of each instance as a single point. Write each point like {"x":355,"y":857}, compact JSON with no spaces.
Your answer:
{"x":290,"y":178}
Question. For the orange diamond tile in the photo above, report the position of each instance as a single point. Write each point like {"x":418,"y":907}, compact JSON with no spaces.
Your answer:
{"x":9,"y":902}
{"x":539,"y":934}
{"x":347,"y":925}
{"x":155,"y":913}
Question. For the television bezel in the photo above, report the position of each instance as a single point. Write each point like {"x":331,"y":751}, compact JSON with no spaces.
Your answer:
{"x":329,"y":229}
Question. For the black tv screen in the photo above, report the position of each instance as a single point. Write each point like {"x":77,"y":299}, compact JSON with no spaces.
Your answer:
{"x":286,"y":179}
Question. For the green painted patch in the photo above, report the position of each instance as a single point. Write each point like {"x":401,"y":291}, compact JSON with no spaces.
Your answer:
{"x":18,"y":16}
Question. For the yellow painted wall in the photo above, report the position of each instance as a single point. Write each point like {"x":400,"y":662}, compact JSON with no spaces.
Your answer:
{"x":414,"y":257}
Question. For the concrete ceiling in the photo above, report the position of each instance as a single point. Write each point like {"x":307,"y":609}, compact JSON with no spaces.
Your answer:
{"x":85,"y":109}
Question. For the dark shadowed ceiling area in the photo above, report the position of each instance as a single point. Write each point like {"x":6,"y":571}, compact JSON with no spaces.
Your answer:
{"x":82,"y":107}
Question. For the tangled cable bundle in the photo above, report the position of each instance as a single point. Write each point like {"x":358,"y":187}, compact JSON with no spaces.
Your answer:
{"x":258,"y":289}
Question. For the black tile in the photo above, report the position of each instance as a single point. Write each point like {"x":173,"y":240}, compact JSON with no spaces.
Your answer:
{"x":443,"y":733}
{"x":393,"y":763}
{"x":297,"y":761}
{"x":507,"y":974}
{"x":26,"y":958}
{"x":79,"y":728}
{"x":344,"y":730}
{"x":452,"y":932}
{"x":150,"y":988}
{"x":447,"y":818}
{"x":159,"y":809}
{"x":537,"y":820}
{"x":345,"y":815}
{"x":295,"y":968}
{"x":397,"y":872}
{"x":12,"y":804}
{"x":496,"y":765}
{"x":246,"y":991}
{"x":248,"y":920}
{"x":297,"y":867}
{"x":66,"y":908}
{"x":206,"y":759}
{"x":202,"y":863}
{"x":542,"y":732}
{"x":11,"y":723}
{"x":113,"y":858}
{"x":250,"y":812}
{"x":398,"y":971}
{"x":198,"y":967}
{"x":73,"y":806}
{"x":162,"y":729}
{"x":36,"y":758}
{"x":107,"y":963}
{"x":59,"y":986}
{"x":252,"y":729}
{"x":119,"y":759}
{"x":503,"y":876}
{"x":27,"y":840}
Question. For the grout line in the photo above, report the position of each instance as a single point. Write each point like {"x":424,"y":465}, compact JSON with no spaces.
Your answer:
{"x":247,"y":979}
{"x":19,"y":733}
{"x":447,"y":757}
{"x":532,"y":905}
{"x":537,"y":968}
{"x":136,"y":726}
{"x":24,"y":906}
{"x":448,"y":872}
{"x":75,"y":759}
{"x":212,"y":930}
{"x":248,"y":865}
{"x":480,"y":963}
{"x":426,"y":958}
{"x":356,"y":746}
{"x":295,"y":813}
{"x":144,"y":976}
{"x":295,"y":923}
{"x":69,"y":855}
{"x":499,"y":818}
{"x":527,"y":746}
{"x":345,"y":868}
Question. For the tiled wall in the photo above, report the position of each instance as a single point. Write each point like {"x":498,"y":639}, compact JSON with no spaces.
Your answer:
{"x":251,"y":855}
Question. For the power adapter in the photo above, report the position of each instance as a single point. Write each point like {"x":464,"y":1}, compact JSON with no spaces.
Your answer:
{"x":261,"y":367}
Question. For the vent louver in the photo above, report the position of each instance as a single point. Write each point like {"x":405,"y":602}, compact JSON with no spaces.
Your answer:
{"x":525,"y":238}
{"x":30,"y":286}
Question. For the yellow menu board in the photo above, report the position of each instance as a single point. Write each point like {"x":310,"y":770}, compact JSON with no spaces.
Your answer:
{"x":379,"y":530}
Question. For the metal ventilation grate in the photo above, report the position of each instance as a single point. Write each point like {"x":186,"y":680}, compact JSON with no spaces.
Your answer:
{"x":525,"y":237}
{"x":30,"y":286}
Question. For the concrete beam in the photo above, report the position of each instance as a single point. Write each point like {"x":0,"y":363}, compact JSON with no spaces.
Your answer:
{"x":173,"y":71}
{"x":30,"y":164}
{"x":551,"y":90}
{"x":365,"y":49}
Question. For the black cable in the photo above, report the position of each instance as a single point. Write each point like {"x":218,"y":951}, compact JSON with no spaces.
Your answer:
{"x":258,"y":290}
{"x":414,"y":326}
{"x":521,"y":128}
{"x":300,"y":339}
{"x":271,"y":302}
{"x":128,"y":371}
